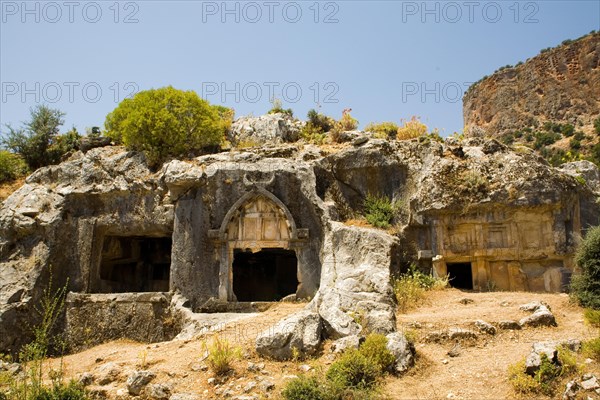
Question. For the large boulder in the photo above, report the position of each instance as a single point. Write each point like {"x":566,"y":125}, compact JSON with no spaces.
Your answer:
{"x":269,"y":128}
{"x":300,"y":332}
{"x":356,"y":288}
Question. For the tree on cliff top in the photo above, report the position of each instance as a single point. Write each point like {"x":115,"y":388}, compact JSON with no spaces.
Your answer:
{"x":166,"y":123}
{"x":38,"y":142}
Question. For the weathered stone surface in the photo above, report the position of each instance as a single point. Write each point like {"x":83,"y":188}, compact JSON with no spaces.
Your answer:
{"x":571,"y":389}
{"x":269,"y":128}
{"x":550,"y":349}
{"x":485,"y":327}
{"x":509,"y":325}
{"x":584,"y":169}
{"x":558,"y":85}
{"x":108,"y":373}
{"x":157,"y":391}
{"x":97,"y":318}
{"x":590,"y":384}
{"x":542,"y":316}
{"x":461,"y":334}
{"x":356,"y":281}
{"x":138,"y":380}
{"x":403,"y":350}
{"x":90,"y":142}
{"x":300,"y":331}
{"x":86,"y":379}
{"x":66,"y":215}
{"x":347,"y":342}
{"x":185,"y":396}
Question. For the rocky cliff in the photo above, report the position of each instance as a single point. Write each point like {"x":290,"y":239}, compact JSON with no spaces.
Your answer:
{"x":85,"y":220}
{"x":560,"y":85}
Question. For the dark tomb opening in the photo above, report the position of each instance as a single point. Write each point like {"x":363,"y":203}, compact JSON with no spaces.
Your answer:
{"x":267,"y":275}
{"x":461,"y":275}
{"x":135,"y":264}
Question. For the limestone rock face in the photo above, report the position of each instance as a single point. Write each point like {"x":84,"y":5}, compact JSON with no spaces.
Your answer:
{"x":300,"y":331}
{"x":513,"y":216}
{"x":355,"y":282}
{"x":269,"y":128}
{"x":586,"y":170}
{"x":559,"y":85}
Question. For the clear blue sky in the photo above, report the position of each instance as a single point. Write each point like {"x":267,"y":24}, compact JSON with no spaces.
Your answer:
{"x":387,"y":60}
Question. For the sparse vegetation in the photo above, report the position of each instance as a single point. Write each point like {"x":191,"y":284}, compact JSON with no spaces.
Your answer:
{"x":346,"y":123}
{"x":591,"y":348}
{"x":305,"y":388}
{"x":353,"y":370}
{"x":597,"y":126}
{"x":30,"y":384}
{"x":412,"y":129}
{"x":278,"y":109}
{"x":383,"y":130}
{"x":374,"y":348}
{"x":356,"y":374}
{"x":585,"y":284}
{"x":545,"y":380}
{"x":220,"y":355}
{"x":411,"y":286}
{"x":592,"y":317}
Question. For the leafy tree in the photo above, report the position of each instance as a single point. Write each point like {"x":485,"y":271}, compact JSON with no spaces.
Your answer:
{"x":38,"y":141}
{"x":585,"y":286}
{"x":165,"y":123}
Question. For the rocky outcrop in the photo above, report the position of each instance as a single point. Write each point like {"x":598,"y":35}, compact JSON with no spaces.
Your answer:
{"x":296,"y":335}
{"x":559,"y":85}
{"x":264,"y":129}
{"x":78,"y":220}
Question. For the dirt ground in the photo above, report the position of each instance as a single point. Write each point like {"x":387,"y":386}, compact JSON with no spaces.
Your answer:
{"x":479,"y":372}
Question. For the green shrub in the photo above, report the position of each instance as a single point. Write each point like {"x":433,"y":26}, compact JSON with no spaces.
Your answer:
{"x":12,"y":166}
{"x":165,"y":123}
{"x":508,"y":139}
{"x":320,"y":121}
{"x":543,"y":139}
{"x":313,"y":134}
{"x":379,"y":210}
{"x":567,"y":130}
{"x":597,"y":125}
{"x":591,"y":348}
{"x":221,"y":355}
{"x":585,"y":284}
{"x":575,"y":144}
{"x":383,"y":130}
{"x":353,"y":370}
{"x":305,"y":388}
{"x":374,"y":348}
{"x":592,"y":317}
{"x":579,"y":136}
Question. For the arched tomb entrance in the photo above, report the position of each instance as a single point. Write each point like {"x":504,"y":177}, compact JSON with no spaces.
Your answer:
{"x":258,"y":244}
